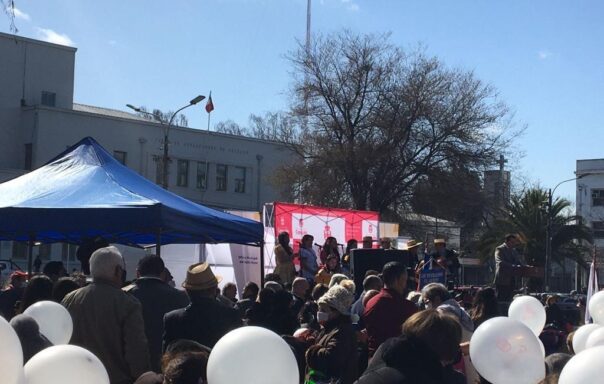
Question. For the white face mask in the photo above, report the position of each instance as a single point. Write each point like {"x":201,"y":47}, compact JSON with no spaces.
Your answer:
{"x":322,"y":317}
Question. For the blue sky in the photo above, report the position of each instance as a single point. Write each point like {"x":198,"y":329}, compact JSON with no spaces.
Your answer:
{"x":545,"y":57}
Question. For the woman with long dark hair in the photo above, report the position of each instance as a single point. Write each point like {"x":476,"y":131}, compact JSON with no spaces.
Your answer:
{"x":284,"y":259}
{"x":330,"y":248}
{"x":484,"y":306}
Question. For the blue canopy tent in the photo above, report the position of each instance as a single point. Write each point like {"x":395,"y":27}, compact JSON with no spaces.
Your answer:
{"x":84,"y":193}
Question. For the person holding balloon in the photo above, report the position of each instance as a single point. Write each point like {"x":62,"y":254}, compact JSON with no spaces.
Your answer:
{"x":334,"y":355}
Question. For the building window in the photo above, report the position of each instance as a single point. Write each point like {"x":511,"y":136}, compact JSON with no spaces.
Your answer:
{"x":120,"y":156}
{"x":597,"y":197}
{"x":28,"y":156}
{"x":598,"y":229}
{"x":240,"y":179}
{"x":49,"y":98}
{"x":202,"y":175}
{"x":19,"y":250}
{"x":183,"y":173}
{"x":221,"y":177}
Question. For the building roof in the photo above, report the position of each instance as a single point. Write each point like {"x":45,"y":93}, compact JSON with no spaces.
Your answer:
{"x":38,"y":42}
{"x":115,"y":113}
{"x":108,"y":112}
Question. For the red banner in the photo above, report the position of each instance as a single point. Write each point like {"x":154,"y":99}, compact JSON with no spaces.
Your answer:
{"x":321,"y":223}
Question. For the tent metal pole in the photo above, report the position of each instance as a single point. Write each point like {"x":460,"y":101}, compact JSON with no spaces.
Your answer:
{"x":158,"y":243}
{"x":262,"y":263}
{"x":30,"y":255}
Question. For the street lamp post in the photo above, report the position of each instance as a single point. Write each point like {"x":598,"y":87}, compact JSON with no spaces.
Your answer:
{"x":165,"y":157}
{"x":548,"y":229}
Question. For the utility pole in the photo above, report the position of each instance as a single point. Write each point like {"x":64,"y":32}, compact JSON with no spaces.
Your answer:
{"x":548,"y":228}
{"x":548,"y":239}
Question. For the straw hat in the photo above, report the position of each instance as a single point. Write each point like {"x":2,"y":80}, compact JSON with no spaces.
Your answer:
{"x":440,"y":241}
{"x":200,"y":277}
{"x":413,"y":244}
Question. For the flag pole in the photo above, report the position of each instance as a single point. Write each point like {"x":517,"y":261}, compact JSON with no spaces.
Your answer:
{"x":592,"y":285}
{"x":209,"y":109}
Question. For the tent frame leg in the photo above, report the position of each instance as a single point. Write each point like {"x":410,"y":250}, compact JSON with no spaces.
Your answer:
{"x":262,"y":264}
{"x":30,"y":255}
{"x":158,"y":244}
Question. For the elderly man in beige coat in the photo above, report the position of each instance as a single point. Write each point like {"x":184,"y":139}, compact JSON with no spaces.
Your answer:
{"x":109,"y":322}
{"x":506,"y":258}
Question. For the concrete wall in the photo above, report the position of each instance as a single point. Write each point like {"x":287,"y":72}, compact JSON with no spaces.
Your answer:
{"x":28,"y":67}
{"x":585,"y":205}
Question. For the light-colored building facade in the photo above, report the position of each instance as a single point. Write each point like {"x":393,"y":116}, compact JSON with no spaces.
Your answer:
{"x":590,"y":205}
{"x":39,"y":119}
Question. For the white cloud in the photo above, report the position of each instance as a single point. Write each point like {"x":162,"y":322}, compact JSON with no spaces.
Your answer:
{"x":353,"y":7}
{"x":53,"y":37}
{"x":544,"y":54}
{"x":21,"y":15}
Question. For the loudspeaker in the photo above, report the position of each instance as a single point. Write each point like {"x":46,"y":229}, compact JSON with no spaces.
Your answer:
{"x":363,"y":260}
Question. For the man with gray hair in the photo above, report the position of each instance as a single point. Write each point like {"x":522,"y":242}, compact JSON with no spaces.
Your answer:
{"x":108,"y":321}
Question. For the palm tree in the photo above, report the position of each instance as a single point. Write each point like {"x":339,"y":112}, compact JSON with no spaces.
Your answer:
{"x":527,"y":216}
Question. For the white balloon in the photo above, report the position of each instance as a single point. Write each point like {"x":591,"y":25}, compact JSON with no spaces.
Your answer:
{"x":11,"y":354}
{"x":596,"y":307}
{"x":53,"y":319}
{"x":595,"y":338}
{"x":584,"y":368}
{"x":65,"y":364}
{"x":21,"y":379}
{"x":504,"y":350}
{"x":529,"y":311}
{"x":581,"y":336}
{"x":542,"y":348}
{"x":252,"y":355}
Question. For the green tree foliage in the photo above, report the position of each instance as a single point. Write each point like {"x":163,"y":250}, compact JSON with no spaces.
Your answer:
{"x":527,"y":216}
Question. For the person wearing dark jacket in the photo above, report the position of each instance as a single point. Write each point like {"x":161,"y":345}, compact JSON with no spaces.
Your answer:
{"x":157,"y":299}
{"x":28,"y":331}
{"x":109,"y":322}
{"x":423,"y":353}
{"x":334,"y":355}
{"x":250,"y":294}
{"x":205,"y":320}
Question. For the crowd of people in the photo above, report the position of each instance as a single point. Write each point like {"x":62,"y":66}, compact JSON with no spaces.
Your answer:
{"x":148,"y":331}
{"x":333,"y":259}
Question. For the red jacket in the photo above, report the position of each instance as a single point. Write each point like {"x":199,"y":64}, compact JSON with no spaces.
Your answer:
{"x":384,"y":316}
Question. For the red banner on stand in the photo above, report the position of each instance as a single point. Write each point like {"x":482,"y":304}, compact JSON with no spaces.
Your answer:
{"x":321,"y":223}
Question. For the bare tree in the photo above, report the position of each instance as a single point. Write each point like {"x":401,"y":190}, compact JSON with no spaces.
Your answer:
{"x":8,"y":6}
{"x":164,"y":117}
{"x":231,"y":128}
{"x":376,"y":120}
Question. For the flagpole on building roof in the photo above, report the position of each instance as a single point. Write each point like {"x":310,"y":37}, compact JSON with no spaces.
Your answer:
{"x":209,"y":108}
